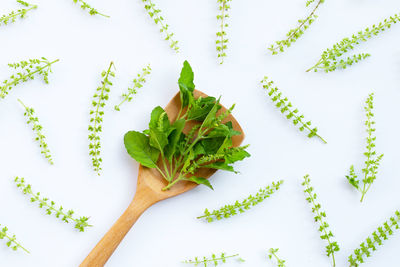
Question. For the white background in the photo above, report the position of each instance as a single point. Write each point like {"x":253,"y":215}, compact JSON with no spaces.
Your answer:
{"x":169,"y":232}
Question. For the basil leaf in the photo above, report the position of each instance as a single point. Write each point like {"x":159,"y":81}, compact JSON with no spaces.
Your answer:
{"x":159,"y":120}
{"x":236,"y":154}
{"x":220,"y":166}
{"x":200,"y":108}
{"x":223,"y":130}
{"x":211,"y":116}
{"x":200,"y":180}
{"x":186,"y":85}
{"x":158,"y":139}
{"x":138,"y":147}
{"x":174,"y":138}
{"x":212,"y":145}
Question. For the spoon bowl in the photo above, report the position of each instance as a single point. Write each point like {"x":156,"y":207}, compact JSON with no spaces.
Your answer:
{"x":149,"y":191}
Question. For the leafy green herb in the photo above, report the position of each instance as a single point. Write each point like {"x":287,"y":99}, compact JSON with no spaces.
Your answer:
{"x":50,"y":206}
{"x":204,"y":261}
{"x":208,"y":144}
{"x":375,"y":240}
{"x":28,"y":70}
{"x":11,"y":240}
{"x":272,"y":254}
{"x":37,"y":128}
{"x":222,"y":41}
{"x":296,"y":33}
{"x":21,"y":13}
{"x":97,"y":113}
{"x":372,"y":159}
{"x":239,"y":207}
{"x":287,"y":109}
{"x":331,"y":58}
{"x":92,"y":11}
{"x":320,"y":218}
{"x":137,"y":83}
{"x":155,"y":14}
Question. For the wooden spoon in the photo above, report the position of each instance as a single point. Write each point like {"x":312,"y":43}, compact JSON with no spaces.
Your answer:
{"x":148,"y":192}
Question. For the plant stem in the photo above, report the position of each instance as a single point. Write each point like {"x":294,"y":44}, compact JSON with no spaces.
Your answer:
{"x":222,"y":29}
{"x":309,"y":16}
{"x":180,"y":177}
{"x":96,"y":154}
{"x":30,"y":74}
{"x":324,"y":229}
{"x":315,"y":66}
{"x":12,"y":239}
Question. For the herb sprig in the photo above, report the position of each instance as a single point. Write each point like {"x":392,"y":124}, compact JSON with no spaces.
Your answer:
{"x":20,"y":13}
{"x":11,"y":240}
{"x":137,"y":83}
{"x":214,"y":259}
{"x":320,"y":218}
{"x":37,"y":128}
{"x":272,"y":254}
{"x":239,"y":207}
{"x":296,"y":33}
{"x":92,"y":10}
{"x":372,"y":159}
{"x":331,"y":59}
{"x":222,"y":41}
{"x":208,"y":144}
{"x":155,"y":15}
{"x":287,"y":109}
{"x":96,"y":120}
{"x":28,"y":70}
{"x":375,"y":240}
{"x":50,"y":206}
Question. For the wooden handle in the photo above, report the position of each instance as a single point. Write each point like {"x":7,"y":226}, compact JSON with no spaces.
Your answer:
{"x":107,"y":245}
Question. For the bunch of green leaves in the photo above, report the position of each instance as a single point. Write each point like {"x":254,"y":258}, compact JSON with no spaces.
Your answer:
{"x":37,"y":128}
{"x":286,"y":108}
{"x":272,"y":254}
{"x":155,"y":14}
{"x":11,"y":240}
{"x":331,"y":59}
{"x":178,"y":155}
{"x":92,"y":11}
{"x":375,"y":240}
{"x":296,"y":33}
{"x":222,"y":41}
{"x":97,"y":112}
{"x":28,"y":70}
{"x":239,"y":207}
{"x":20,"y":13}
{"x":50,"y":206}
{"x":372,"y":159}
{"x":320,"y":218}
{"x":214,"y":260}
{"x":137,"y":83}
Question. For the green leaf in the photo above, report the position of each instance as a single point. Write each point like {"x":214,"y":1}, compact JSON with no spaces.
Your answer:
{"x":211,"y":116}
{"x":174,"y":138}
{"x":160,"y":128}
{"x":236,"y":154}
{"x":200,"y":108}
{"x":158,"y":139}
{"x":186,"y":85}
{"x":212,"y":145}
{"x":225,"y":145}
{"x":159,"y":120}
{"x":200,"y":180}
{"x":198,"y":150}
{"x":223,"y":130}
{"x":138,"y":147}
{"x":220,"y":166}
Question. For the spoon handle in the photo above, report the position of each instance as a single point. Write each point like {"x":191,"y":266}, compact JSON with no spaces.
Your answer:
{"x":107,"y":245}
